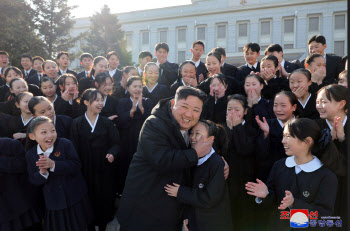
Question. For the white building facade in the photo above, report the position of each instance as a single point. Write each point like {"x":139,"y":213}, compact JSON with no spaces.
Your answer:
{"x":232,"y":24}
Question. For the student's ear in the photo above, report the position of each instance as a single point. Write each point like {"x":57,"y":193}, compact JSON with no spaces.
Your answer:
{"x":191,"y":50}
{"x":306,"y":65}
{"x":86,"y":102}
{"x":31,"y":136}
{"x":325,"y":46}
{"x":259,"y":53}
{"x":11,"y":90}
{"x":245,"y":111}
{"x":61,"y":87}
{"x":81,"y":63}
{"x":155,"y":53}
{"x":96,"y":85}
{"x":140,"y":60}
{"x":16,"y":104}
{"x":294,"y":107}
{"x":211,"y":138}
{"x":341,"y":104}
{"x":308,"y":140}
{"x":172,"y":103}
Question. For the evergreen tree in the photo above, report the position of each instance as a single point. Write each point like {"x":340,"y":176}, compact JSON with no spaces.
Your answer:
{"x":106,"y":35}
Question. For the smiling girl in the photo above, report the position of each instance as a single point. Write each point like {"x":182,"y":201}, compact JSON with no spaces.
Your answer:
{"x":100,"y":65}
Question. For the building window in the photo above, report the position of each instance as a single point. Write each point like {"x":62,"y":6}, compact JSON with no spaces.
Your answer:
{"x":265,"y":38}
{"x":288,"y":46}
{"x":201,"y":33}
{"x":181,"y":35}
{"x":243,"y":35}
{"x":181,"y":56}
{"x":145,"y":37}
{"x":339,"y":48}
{"x":181,"y":46}
{"x":314,"y":24}
{"x":242,"y":29}
{"x":128,"y":38}
{"x":163,"y":36}
{"x":289,"y":25}
{"x":265,"y":28}
{"x":221,"y":35}
{"x":339,"y":22}
{"x":288,"y":33}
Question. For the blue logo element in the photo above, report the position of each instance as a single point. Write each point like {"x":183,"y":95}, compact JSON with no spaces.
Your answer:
{"x":299,"y":220}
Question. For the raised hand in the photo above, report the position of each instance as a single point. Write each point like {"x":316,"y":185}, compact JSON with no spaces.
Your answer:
{"x":338,"y":129}
{"x":287,"y":201}
{"x":112,"y":117}
{"x":140,"y":106}
{"x":201,"y":78}
{"x":256,"y":189}
{"x":226,"y":168}
{"x":203,"y":148}
{"x":264,"y":126}
{"x":110,"y":158}
{"x":299,"y":92}
{"x":172,"y":190}
{"x":252,"y":97}
{"x":65,"y":95}
{"x":185,"y":225}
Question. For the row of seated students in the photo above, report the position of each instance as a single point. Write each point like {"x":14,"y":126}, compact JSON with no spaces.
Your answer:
{"x":267,"y":93}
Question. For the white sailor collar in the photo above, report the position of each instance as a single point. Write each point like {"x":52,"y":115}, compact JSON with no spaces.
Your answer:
{"x":311,"y":166}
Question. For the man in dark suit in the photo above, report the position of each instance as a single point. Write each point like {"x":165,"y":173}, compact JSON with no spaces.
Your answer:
{"x":227,"y":69}
{"x":63,"y":62}
{"x":251,"y":52}
{"x":276,"y":50}
{"x":113,"y":62}
{"x":161,"y":158}
{"x":197,"y":51}
{"x":168,"y":72}
{"x":27,"y":64}
{"x":334,"y":65}
{"x":37,"y":65}
{"x":144,"y":58}
{"x":86,"y":60}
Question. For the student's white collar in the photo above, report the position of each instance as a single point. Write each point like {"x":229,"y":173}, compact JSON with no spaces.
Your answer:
{"x":250,"y":66}
{"x":243,"y":122}
{"x":28,"y":70}
{"x":137,"y":103}
{"x":325,"y":56}
{"x":150,"y":91}
{"x":259,"y":99}
{"x":63,"y":71}
{"x":104,"y":102}
{"x":57,"y":79}
{"x":7,"y":85}
{"x":112,"y":72}
{"x":206,"y":157}
{"x":311,"y":166}
{"x":304,"y":105}
{"x":25,"y":124}
{"x":92,"y":125}
{"x":281,"y":123}
{"x":46,"y":153}
{"x":140,"y":71}
{"x":196,"y":63}
{"x":283,"y":62}
{"x":55,"y":99}
{"x":183,"y":83}
{"x":158,"y":63}
{"x":330,"y":125}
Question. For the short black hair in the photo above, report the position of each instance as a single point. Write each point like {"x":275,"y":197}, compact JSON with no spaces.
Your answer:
{"x":312,"y":57}
{"x":273,"y":47}
{"x":183,"y":92}
{"x":27,"y":56}
{"x":221,"y":50}
{"x":38,"y":58}
{"x":199,"y":42}
{"x":62,"y":53}
{"x":4,"y":53}
{"x":109,"y":54}
{"x":252,"y":46}
{"x":272,"y":58}
{"x":144,"y":54}
{"x":318,"y":39}
{"x":86,"y":55}
{"x":162,"y":45}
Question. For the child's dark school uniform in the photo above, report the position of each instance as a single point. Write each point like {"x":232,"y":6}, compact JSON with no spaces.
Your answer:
{"x":242,"y":162}
{"x":86,"y":83}
{"x":233,"y":86}
{"x":245,"y":70}
{"x":158,"y":92}
{"x":175,"y":86}
{"x":264,"y":108}
{"x":62,"y":124}
{"x":207,"y":197}
{"x":129,"y":129}
{"x":308,"y":110}
{"x":5,"y":91}
{"x":120,"y":92}
{"x":64,"y":188}
{"x":93,"y":143}
{"x":18,"y":125}
{"x":19,"y":200}
{"x":62,"y":107}
{"x":9,"y":107}
{"x":215,"y":111}
{"x":110,"y":106}
{"x":275,"y":85}
{"x":5,"y":129}
{"x":338,"y":166}
{"x":313,"y":186}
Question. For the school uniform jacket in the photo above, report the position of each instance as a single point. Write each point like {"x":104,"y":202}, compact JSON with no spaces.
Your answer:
{"x":229,"y":70}
{"x":65,"y":186}
{"x":201,"y":69}
{"x":274,"y":86}
{"x":215,"y":112}
{"x":117,"y":77}
{"x":63,"y":124}
{"x":80,"y":75}
{"x":309,"y":111}
{"x":62,"y":107}
{"x":35,"y":80}
{"x":159,"y":92}
{"x":289,"y":67}
{"x":244,"y":70}
{"x":207,"y":197}
{"x":5,"y":129}
{"x":264,"y":108}
{"x":161,"y":157}
{"x":120,"y":92}
{"x":68,"y":72}
{"x":169,"y":73}
{"x":110,"y":107}
{"x":30,"y":74}
{"x":85,"y":83}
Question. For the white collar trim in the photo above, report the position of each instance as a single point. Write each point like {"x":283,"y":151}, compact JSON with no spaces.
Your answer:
{"x":92,"y":125}
{"x":206,"y":157}
{"x":25,"y":124}
{"x":304,"y":105}
{"x":46,"y":153}
{"x":311,"y":166}
{"x":150,"y":90}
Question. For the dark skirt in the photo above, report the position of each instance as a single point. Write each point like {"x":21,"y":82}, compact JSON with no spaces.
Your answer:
{"x":26,"y":220}
{"x":76,"y":217}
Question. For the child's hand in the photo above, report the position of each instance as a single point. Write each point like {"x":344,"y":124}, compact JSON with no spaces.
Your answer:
{"x":252,"y":97}
{"x":338,"y":129}
{"x":65,"y":95}
{"x":19,"y":135}
{"x":185,"y":225}
{"x":172,"y":190}
{"x":200,"y":78}
{"x":287,"y":201}
{"x":112,"y":117}
{"x":226,"y":169}
{"x":256,"y":189}
{"x":299,"y":92}
{"x":45,"y":162}
{"x":264,"y":126}
{"x":76,"y":94}
{"x":140,"y":106}
{"x":110,"y":158}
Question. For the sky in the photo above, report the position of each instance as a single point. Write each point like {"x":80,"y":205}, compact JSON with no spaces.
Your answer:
{"x":86,"y":8}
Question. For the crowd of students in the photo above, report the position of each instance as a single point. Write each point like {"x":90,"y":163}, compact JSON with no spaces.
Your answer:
{"x":277,"y":126}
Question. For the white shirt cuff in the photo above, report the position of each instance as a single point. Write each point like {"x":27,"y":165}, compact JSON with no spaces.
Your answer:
{"x":258,"y":200}
{"x":45,"y":175}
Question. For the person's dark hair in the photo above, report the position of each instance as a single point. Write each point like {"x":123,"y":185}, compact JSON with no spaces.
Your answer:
{"x":318,"y":39}
{"x":337,"y":93}
{"x":36,"y":100}
{"x":219,"y":77}
{"x":216,"y":54}
{"x":59,"y":55}
{"x":272,"y":48}
{"x":131,"y":79}
{"x":111,"y":53}
{"x":17,"y":79}
{"x":293,"y":100}
{"x":20,"y":96}
{"x":144,"y":54}
{"x":301,"y":128}
{"x":86,"y":55}
{"x":221,"y":50}
{"x":220,"y":144}
{"x":27,"y":56}
{"x":48,"y":61}
{"x":303,"y":71}
{"x":46,"y":79}
{"x":98,"y":59}
{"x":64,"y":77}
{"x":4,"y":53}
{"x":261,"y":81}
{"x":38,"y":58}
{"x":312,"y":57}
{"x":162,"y":45}
{"x":127,"y":69}
{"x":90,"y":95}
{"x":34,"y":123}
{"x":101,"y":78}
{"x":4,"y":69}
{"x":15,"y":69}
{"x":183,"y":92}
{"x":254,"y":47}
{"x":198,"y":42}
{"x":272,"y":58}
